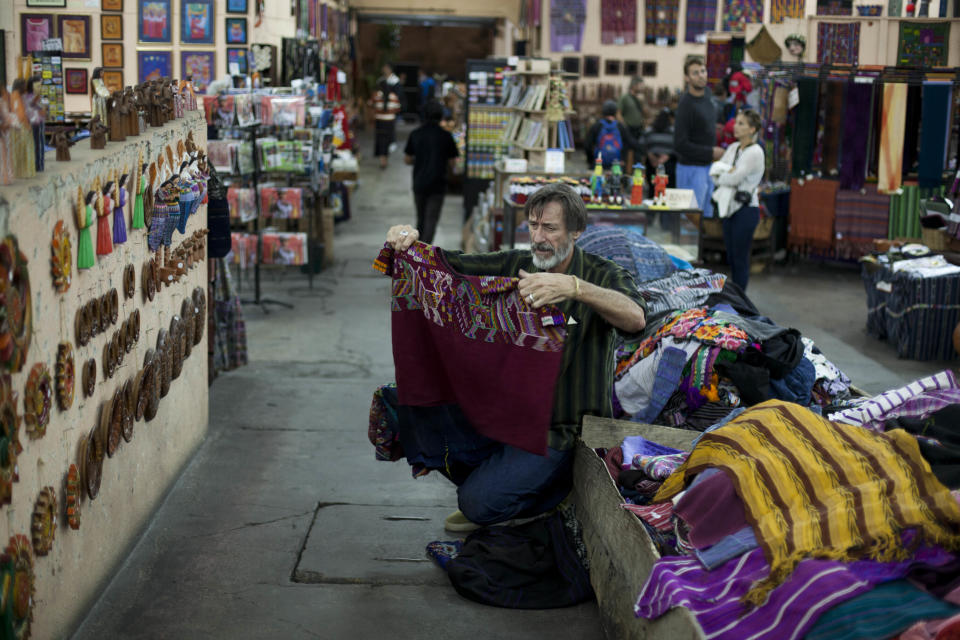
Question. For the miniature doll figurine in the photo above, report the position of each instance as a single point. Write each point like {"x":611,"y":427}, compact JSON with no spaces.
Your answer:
{"x":104,"y":207}
{"x":98,"y":133}
{"x":660,"y":182}
{"x":120,"y":201}
{"x":141,"y":185}
{"x":596,"y":182}
{"x":636,"y":192}
{"x":616,"y":184}
{"x":62,"y":143}
{"x":85,"y":218}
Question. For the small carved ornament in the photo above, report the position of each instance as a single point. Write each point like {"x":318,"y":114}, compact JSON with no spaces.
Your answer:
{"x":66,"y":375}
{"x":44,"y":521}
{"x":61,"y":262}
{"x":91,"y":462}
{"x":74,"y":494}
{"x":9,"y":439}
{"x":38,"y":401}
{"x":89,"y":377}
{"x":16,"y":316}
{"x":17,"y":578}
{"x":129,"y":281}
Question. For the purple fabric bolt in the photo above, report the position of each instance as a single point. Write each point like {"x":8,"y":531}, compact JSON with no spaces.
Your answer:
{"x":792,"y":608}
{"x":853,"y":151}
{"x":712,"y":510}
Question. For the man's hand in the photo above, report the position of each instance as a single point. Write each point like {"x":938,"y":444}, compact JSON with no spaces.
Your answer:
{"x":717,"y":153}
{"x":402,"y":236}
{"x":539,"y":289}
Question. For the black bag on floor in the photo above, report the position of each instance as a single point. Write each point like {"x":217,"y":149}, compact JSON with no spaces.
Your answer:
{"x":532,"y":566}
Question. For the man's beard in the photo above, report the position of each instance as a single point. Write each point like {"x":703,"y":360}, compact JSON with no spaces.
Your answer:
{"x":560,"y":254}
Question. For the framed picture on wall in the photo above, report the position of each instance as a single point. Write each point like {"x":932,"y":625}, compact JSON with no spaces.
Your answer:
{"x":111,"y":54}
{"x":648,"y":69}
{"x":236,"y":30}
{"x":47,"y":3}
{"x":34,"y":29}
{"x":237,"y":6}
{"x":631,"y":67}
{"x":113,"y":79}
{"x":111,"y":26}
{"x":75,"y":81}
{"x":111,"y":5}
{"x":570,"y":65}
{"x":591,"y":66}
{"x":199,"y":66}
{"x":75,"y":33}
{"x":155,"y":19}
{"x":196,"y":21}
{"x":237,"y":56}
{"x":153,"y":65}
{"x":611,"y":67}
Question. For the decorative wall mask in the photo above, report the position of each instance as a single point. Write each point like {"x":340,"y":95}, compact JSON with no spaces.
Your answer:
{"x":61,"y":260}
{"x":10,"y":446}
{"x":16,"y":574}
{"x":129,"y":281}
{"x":109,"y":365}
{"x":149,"y":280}
{"x":114,"y":412}
{"x":200,"y":301}
{"x":91,"y":461}
{"x":105,"y":313}
{"x":16,"y":323}
{"x":89,"y":377}
{"x":187,"y":311}
{"x":128,"y":398}
{"x":176,"y":345}
{"x":38,"y":401}
{"x":66,"y":375}
{"x":150,"y":385}
{"x":163,"y":362}
{"x":44,"y":521}
{"x":73,"y":497}
{"x":84,"y":322}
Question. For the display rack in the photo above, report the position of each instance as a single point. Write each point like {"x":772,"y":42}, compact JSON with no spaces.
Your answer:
{"x":540,"y":106}
{"x":486,"y":119}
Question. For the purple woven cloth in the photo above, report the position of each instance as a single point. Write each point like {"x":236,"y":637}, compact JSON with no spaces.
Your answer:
{"x":918,"y":399}
{"x":701,"y":19}
{"x":853,"y":151}
{"x":567,"y":18}
{"x":792,"y":608}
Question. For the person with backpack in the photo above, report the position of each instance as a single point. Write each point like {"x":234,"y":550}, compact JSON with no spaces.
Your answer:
{"x":609,"y":138}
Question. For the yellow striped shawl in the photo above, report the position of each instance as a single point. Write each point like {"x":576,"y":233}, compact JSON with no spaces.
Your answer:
{"x":811,"y":487}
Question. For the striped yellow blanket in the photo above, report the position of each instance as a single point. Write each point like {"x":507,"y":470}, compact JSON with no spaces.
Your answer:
{"x":811,"y":487}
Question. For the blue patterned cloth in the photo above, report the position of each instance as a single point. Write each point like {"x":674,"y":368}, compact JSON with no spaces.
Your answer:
{"x":642,"y":257}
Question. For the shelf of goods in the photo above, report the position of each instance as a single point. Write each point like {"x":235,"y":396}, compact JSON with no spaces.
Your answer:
{"x":539,"y":115}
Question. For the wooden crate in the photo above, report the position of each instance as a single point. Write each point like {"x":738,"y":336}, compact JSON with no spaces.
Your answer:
{"x":621,"y":553}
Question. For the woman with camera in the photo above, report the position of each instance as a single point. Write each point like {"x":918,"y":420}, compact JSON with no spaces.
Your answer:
{"x":737,"y":175}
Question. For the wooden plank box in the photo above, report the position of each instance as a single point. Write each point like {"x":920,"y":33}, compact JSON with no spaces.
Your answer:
{"x":621,"y":553}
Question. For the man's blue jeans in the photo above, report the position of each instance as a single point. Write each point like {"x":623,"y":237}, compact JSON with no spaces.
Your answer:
{"x":697,"y":177}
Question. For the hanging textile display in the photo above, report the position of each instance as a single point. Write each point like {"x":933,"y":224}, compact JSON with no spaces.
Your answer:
{"x":833,"y":100}
{"x":905,"y":211}
{"x":838,"y":42}
{"x":661,"y":21}
{"x":935,"y":119}
{"x":780,"y":9}
{"x":923,"y":44}
{"x":804,"y":127}
{"x":889,"y":176}
{"x":618,"y":21}
{"x":718,"y":59}
{"x":859,"y":218}
{"x":812,"y":212}
{"x":853,"y":154}
{"x":911,"y":130}
{"x":835,"y":7}
{"x":763,"y":48}
{"x":567,"y":18}
{"x":701,"y":18}
{"x":737,"y":14}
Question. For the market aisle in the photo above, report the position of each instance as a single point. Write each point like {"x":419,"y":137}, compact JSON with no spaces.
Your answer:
{"x":286,"y":488}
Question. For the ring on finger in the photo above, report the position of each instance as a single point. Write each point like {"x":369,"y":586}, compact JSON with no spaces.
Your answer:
{"x":530,"y":298}
{"x":404,"y":233}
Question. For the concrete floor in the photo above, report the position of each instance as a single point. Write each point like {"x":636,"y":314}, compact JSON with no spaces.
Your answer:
{"x":284,"y":526}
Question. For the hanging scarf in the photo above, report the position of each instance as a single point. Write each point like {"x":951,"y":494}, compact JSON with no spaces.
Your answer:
{"x":119,"y":224}
{"x":813,"y":488}
{"x":804,"y":130}
{"x":853,"y":151}
{"x":701,"y":19}
{"x":937,"y":97}
{"x":138,"y":221}
{"x":104,"y":236}
{"x":85,"y":255}
{"x":889,"y":175}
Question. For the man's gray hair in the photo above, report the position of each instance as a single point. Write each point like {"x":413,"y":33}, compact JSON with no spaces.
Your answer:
{"x":574,"y":212}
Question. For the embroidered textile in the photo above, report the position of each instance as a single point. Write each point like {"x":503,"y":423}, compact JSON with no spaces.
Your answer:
{"x":875,"y":411}
{"x":661,"y":20}
{"x":780,"y":9}
{"x":657,"y":516}
{"x":737,"y":14}
{"x":472,"y":341}
{"x":701,"y":19}
{"x":834,"y":7}
{"x":381,"y":430}
{"x":860,"y":217}
{"x":682,"y":290}
{"x":838,"y":43}
{"x":659,"y":467}
{"x":802,"y":479}
{"x":639,"y":255}
{"x":718,"y":59}
{"x":924,"y":44}
{"x":714,"y":597}
{"x":890,"y":173}
{"x":618,"y":21}
{"x":567,"y":18}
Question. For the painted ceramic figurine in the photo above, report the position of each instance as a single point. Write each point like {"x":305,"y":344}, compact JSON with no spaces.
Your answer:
{"x":85,"y":218}
{"x":616,"y":184}
{"x":62,"y":143}
{"x":104,"y":206}
{"x":98,"y":133}
{"x":660,"y":182}
{"x":141,"y":185}
{"x":636,"y":192}
{"x":596,"y":182}
{"x":120,"y":201}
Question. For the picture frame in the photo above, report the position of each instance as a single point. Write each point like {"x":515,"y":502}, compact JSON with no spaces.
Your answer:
{"x":113,"y":79}
{"x":631,"y":67}
{"x":34,"y":29}
{"x":648,"y":69}
{"x":236,"y":29}
{"x":200,"y":66}
{"x":111,"y":26}
{"x":153,"y":65}
{"x":570,"y":64}
{"x":74,"y":31}
{"x":111,"y":5}
{"x":240,"y":56}
{"x":155,"y":20}
{"x":111,"y":54}
{"x":75,"y":81}
{"x":591,"y":66}
{"x":196,"y":22}
{"x":611,"y":67}
{"x":47,"y":4}
{"x":237,"y":6}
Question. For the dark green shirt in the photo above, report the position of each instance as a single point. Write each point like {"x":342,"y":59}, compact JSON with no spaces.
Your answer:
{"x":585,"y":384}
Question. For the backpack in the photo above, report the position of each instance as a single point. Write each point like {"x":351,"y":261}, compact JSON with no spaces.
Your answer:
{"x":609,"y":142}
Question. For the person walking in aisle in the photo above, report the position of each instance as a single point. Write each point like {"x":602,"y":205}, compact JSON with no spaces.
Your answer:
{"x":632,"y":111}
{"x":428,"y":87}
{"x":386,"y":105}
{"x":608,"y":137}
{"x":737,"y":176}
{"x":695,"y":135}
{"x":430,"y":149}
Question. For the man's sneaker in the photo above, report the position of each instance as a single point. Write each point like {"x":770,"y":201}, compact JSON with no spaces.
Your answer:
{"x":458,"y":523}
